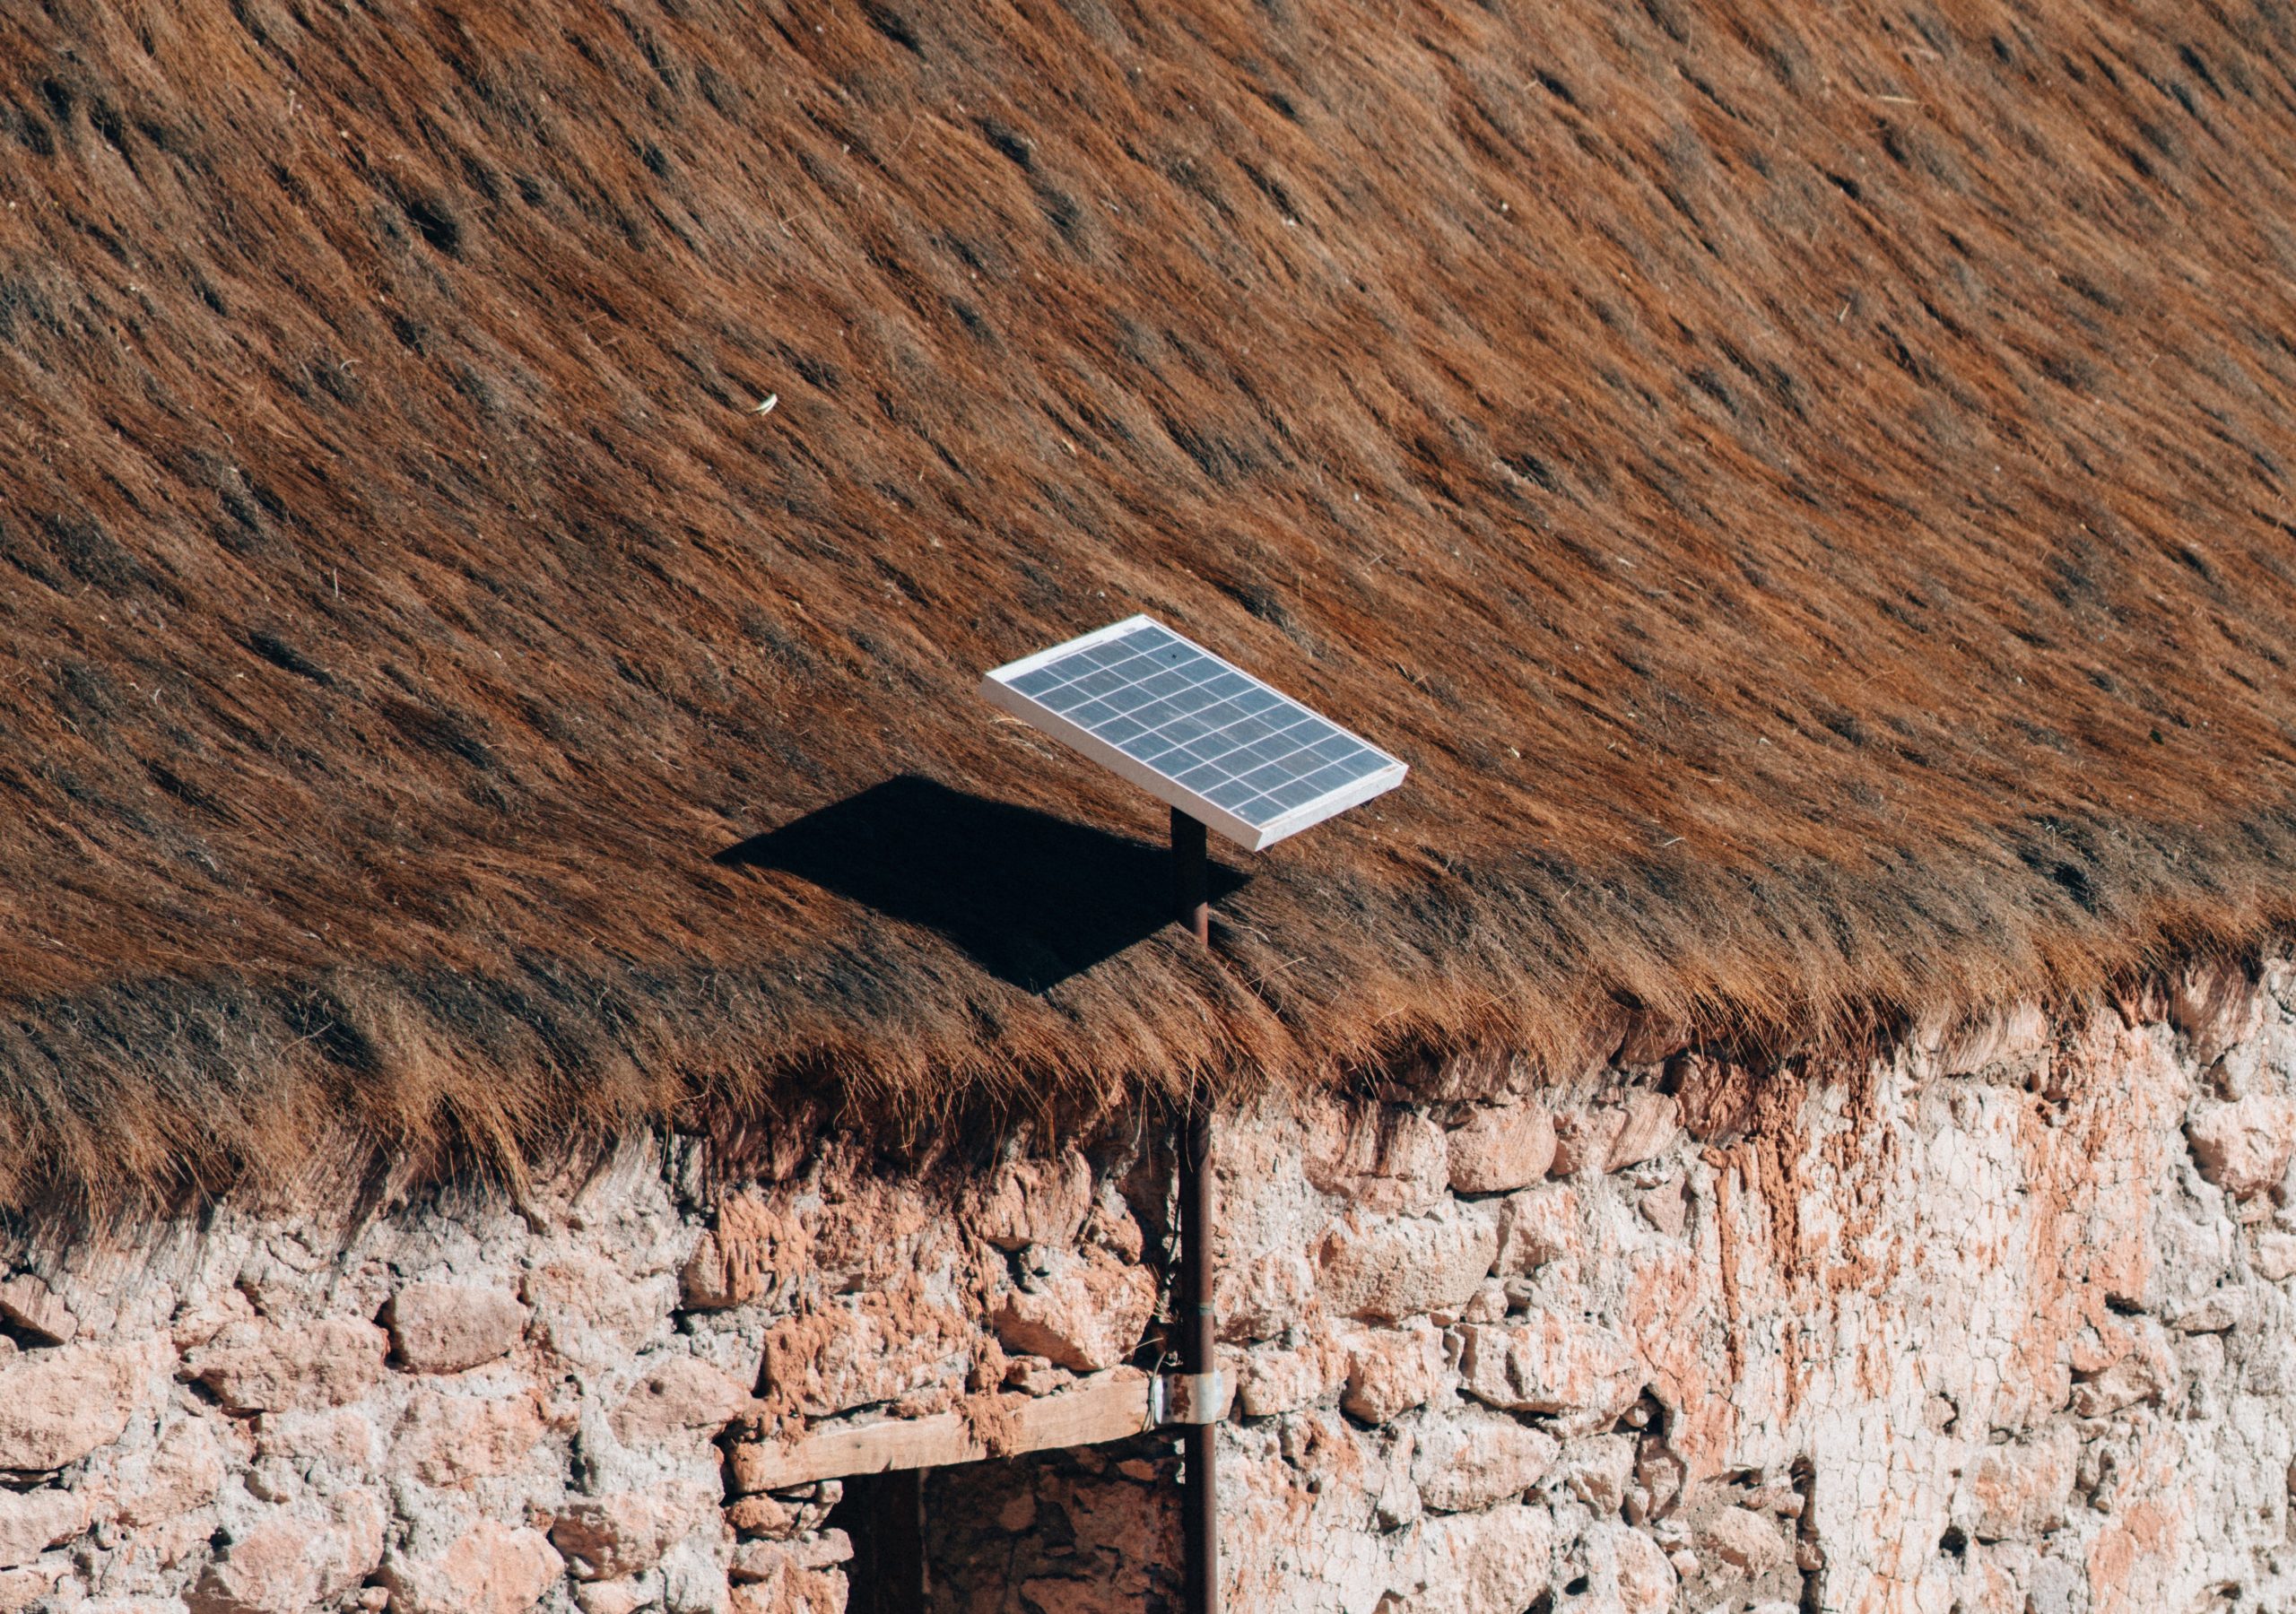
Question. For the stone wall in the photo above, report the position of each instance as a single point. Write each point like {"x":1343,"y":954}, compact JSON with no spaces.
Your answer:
{"x":1995,"y":1321}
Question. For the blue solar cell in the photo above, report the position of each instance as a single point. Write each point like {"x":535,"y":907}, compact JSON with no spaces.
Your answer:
{"x":1098,"y":682}
{"x":1063,"y":698}
{"x":1267,"y":778}
{"x":1230,"y":793}
{"x":1292,"y":793}
{"x":1260,"y":755}
{"x":1336,"y":774}
{"x":1189,"y":755}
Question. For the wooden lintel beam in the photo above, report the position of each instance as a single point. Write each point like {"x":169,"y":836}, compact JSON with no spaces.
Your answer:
{"x":1107,"y":1406}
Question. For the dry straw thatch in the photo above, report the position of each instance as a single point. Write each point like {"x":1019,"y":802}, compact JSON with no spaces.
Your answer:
{"x":1806,"y":486}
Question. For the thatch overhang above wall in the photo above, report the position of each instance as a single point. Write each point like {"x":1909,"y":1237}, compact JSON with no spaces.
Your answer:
{"x":1806,"y":488}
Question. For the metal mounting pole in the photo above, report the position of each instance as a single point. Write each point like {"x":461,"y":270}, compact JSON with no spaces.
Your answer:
{"x":1191,"y":883}
{"x":1200,"y":1500}
{"x":1200,"y":1497}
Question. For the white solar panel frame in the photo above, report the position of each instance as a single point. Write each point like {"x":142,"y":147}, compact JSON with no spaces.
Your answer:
{"x":997,"y":688}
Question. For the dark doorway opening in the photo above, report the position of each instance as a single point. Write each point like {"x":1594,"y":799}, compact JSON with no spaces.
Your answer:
{"x":883,"y":1515}
{"x":1092,"y":1530}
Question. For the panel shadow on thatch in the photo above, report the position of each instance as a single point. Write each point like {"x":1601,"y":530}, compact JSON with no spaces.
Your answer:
{"x":1030,"y":898}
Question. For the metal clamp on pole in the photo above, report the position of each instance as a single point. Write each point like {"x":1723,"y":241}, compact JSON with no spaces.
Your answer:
{"x":1189,"y":1398}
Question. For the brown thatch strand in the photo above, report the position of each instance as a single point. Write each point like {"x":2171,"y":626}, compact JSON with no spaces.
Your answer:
{"x":1806,"y":486}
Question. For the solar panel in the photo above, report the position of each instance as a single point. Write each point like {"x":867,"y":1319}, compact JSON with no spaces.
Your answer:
{"x":1194,"y":731}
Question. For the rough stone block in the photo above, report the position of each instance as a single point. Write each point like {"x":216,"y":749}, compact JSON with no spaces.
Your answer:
{"x":2021,"y":1490}
{"x":615,"y":1596}
{"x":1751,"y":1543}
{"x":876,"y":1350}
{"x":2243,"y":1147}
{"x":1486,"y":1563}
{"x":1554,"y":1364}
{"x":1087,"y":1314}
{"x":1471,"y":1459}
{"x":492,"y":1568}
{"x":586,"y":1311}
{"x":1386,"y":1268}
{"x":290,"y":1561}
{"x":2215,"y":1005}
{"x":1033,"y":1202}
{"x":1583,"y":1140}
{"x":792,"y":1592}
{"x":1032,"y":1374}
{"x":337,"y":1435}
{"x":755,"y":1245}
{"x":1652,"y":1123}
{"x":1536,"y":1227}
{"x":776,"y":1518}
{"x":1629,"y":1569}
{"x":448,"y":1327}
{"x":27,"y":1301}
{"x":32,"y":1522}
{"x":2144,"y":1368}
{"x":263,"y":1366}
{"x":1595,"y":1468}
{"x":627,"y":1532}
{"x":1381,"y":1160}
{"x":21,"y":1589}
{"x":1390,"y":1371}
{"x":760,"y":1561}
{"x":1261,"y":1297}
{"x":1276,"y":1382}
{"x":58,"y":1405}
{"x":1667,"y":1208}
{"x":2275,"y":1255}
{"x":678,"y":1396}
{"x":183,"y":1471}
{"x":1498,"y":1149}
{"x":1661,"y":1475}
{"x":451,"y":1439}
{"x":705,"y":1283}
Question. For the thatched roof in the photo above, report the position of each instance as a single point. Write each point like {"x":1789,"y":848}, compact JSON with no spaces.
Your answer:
{"x":1806,"y":488}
